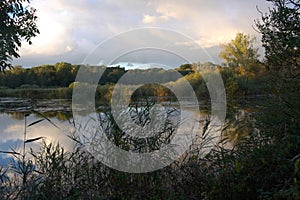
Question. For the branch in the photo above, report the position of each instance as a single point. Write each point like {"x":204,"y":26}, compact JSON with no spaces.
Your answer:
{"x":294,"y":3}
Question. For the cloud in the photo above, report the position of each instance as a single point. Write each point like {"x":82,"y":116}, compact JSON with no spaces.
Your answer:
{"x":71,"y":29}
{"x":154,"y":19}
{"x":12,"y":132}
{"x":210,"y":22}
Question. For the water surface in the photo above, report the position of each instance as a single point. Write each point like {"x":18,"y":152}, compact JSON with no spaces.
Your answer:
{"x":56,"y":127}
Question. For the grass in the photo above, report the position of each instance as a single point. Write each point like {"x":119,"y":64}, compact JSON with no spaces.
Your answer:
{"x":264,"y":163}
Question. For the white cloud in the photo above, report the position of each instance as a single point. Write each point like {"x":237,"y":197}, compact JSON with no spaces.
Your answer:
{"x":14,"y":132}
{"x":154,"y":19}
{"x":210,"y":22}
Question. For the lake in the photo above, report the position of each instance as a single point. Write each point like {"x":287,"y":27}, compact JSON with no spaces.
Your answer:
{"x":12,"y":123}
{"x":58,"y":124}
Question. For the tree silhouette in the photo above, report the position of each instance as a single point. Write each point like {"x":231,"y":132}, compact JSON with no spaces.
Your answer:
{"x":280,"y":30}
{"x":17,"y":23}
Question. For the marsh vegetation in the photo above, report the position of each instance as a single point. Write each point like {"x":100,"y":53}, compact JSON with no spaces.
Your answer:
{"x":257,"y":156}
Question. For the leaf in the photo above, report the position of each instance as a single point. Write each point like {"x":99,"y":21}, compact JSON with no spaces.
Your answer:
{"x":32,"y":140}
{"x":42,"y":115}
{"x":33,"y":123}
{"x":10,"y":152}
{"x":74,"y":139}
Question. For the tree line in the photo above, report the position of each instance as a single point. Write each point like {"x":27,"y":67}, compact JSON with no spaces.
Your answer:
{"x":62,"y":74}
{"x":264,"y":162}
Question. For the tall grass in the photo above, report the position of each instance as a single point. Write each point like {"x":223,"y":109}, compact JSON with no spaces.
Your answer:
{"x":258,"y":166}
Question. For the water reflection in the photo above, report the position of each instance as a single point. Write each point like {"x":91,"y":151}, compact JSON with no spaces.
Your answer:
{"x":12,"y":118}
{"x":12,"y":126}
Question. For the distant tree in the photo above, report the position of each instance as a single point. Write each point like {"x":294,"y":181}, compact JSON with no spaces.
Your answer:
{"x":112,"y":75}
{"x":240,"y":52}
{"x":115,"y":73}
{"x":64,"y":74}
{"x":185,"y":69}
{"x":45,"y":76}
{"x":17,"y":23}
{"x":280,"y":30}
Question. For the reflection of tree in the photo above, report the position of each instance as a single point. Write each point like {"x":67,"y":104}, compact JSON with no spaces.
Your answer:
{"x":60,"y":115}
{"x":238,"y":126}
{"x":142,"y":117}
{"x":17,"y":115}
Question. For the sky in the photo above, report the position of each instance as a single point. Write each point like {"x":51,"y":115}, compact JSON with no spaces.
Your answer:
{"x":71,"y":30}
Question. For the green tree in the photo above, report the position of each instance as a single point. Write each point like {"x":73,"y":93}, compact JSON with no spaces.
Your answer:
{"x":185,"y":69}
{"x":17,"y":22}
{"x":64,"y":74}
{"x":280,"y":29}
{"x":240,"y":52}
{"x":278,"y":119}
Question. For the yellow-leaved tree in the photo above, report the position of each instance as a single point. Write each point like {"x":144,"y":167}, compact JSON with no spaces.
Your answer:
{"x":241,"y":55}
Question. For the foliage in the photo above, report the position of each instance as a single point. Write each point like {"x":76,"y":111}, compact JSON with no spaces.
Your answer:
{"x":112,"y":75}
{"x":244,"y":74}
{"x":280,"y":29}
{"x":58,"y":75}
{"x":278,"y":118}
{"x":37,"y":93}
{"x":17,"y":22}
{"x":257,"y":158}
{"x":257,"y":167}
{"x":63,"y":74}
{"x":240,"y":53}
{"x":185,"y":69}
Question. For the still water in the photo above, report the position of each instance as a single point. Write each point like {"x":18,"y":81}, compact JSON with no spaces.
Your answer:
{"x":56,"y":127}
{"x":12,"y":123}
